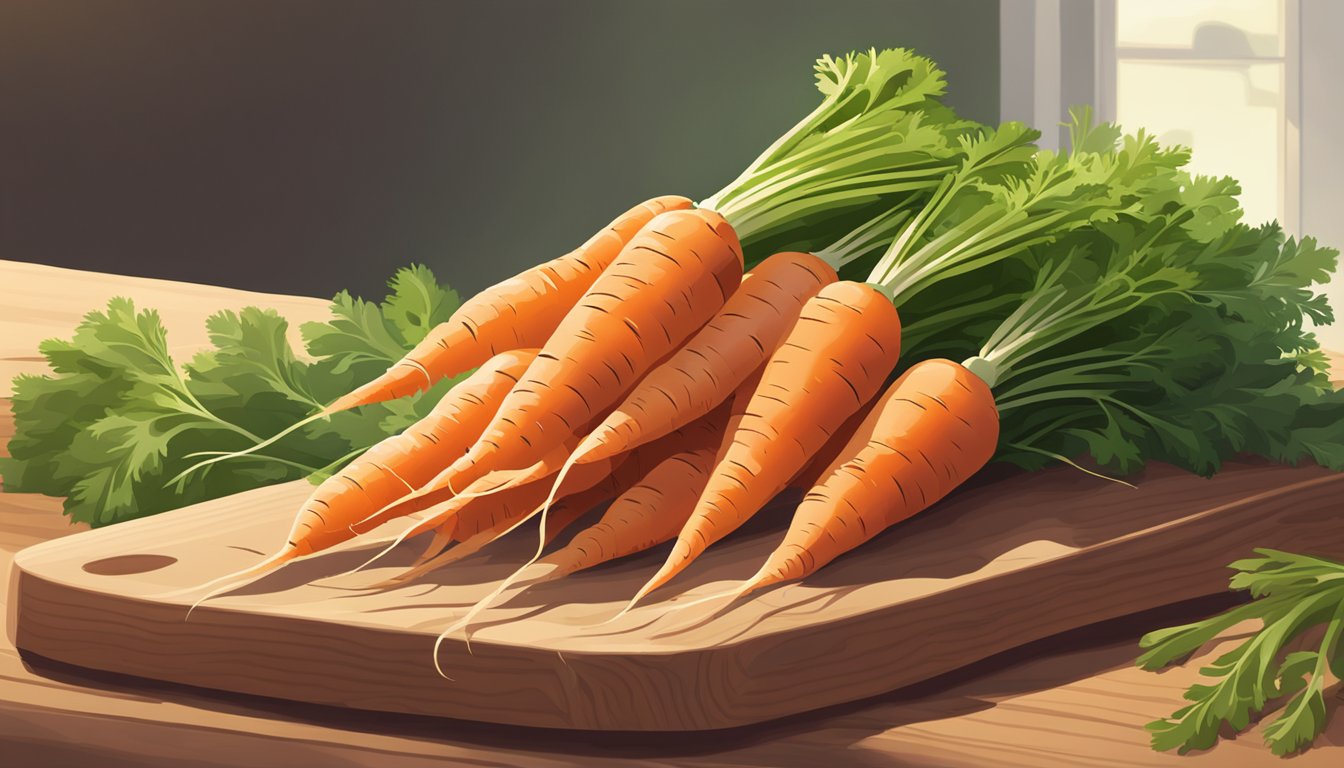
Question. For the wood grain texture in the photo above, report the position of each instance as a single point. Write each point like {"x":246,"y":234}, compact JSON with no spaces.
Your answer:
{"x":42,"y":302}
{"x":1006,"y":562}
{"x":1069,"y":700}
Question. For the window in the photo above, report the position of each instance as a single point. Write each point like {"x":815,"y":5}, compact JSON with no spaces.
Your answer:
{"x":1252,"y":86}
{"x":1212,"y":75}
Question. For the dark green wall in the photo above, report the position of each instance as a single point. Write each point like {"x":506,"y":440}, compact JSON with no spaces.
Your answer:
{"x":309,"y":146}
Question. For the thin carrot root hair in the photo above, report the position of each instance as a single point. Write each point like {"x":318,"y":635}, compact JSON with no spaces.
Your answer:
{"x":439,"y":555}
{"x":513,"y":578}
{"x":432,"y":493}
{"x":695,"y":435}
{"x":441,"y":552}
{"x":226,"y":456}
{"x":728,"y":596}
{"x":444,"y":515}
{"x":1065,"y":460}
{"x":231,"y":581}
{"x":409,"y":531}
{"x":384,"y":473}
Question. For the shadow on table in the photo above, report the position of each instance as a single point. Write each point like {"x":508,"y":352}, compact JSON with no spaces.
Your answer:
{"x":803,"y":739}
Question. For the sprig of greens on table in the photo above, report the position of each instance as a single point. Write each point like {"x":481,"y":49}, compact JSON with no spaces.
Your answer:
{"x":1299,"y":601}
{"x":118,"y":418}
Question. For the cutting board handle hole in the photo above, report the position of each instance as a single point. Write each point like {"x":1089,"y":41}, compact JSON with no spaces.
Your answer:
{"x":127,"y":565}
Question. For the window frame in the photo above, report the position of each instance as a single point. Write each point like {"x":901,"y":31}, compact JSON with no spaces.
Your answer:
{"x":1049,"y":62}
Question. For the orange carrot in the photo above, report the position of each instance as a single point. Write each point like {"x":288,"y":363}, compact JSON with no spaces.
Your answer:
{"x":700,"y":435}
{"x":487,"y":511}
{"x":667,"y":283}
{"x":933,"y":429}
{"x":563,"y":514}
{"x":393,"y":467}
{"x":443,"y":518}
{"x":646,"y":515}
{"x":520,"y":312}
{"x":481,"y":520}
{"x":437,"y":491}
{"x":570,"y":509}
{"x":649,"y":514}
{"x":715,"y":360}
{"x":483,"y":513}
{"x":835,"y":359}
{"x":829,"y":457}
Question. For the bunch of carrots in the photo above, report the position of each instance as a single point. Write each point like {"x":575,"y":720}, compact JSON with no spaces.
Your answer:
{"x":690,"y":362}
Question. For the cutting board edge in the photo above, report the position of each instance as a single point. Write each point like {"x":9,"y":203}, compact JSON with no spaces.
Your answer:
{"x":716,"y":661}
{"x":1265,"y":519}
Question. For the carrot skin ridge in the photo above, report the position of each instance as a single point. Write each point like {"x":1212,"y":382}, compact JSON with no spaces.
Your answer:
{"x":627,"y":470}
{"x":667,"y":283}
{"x":829,"y":456}
{"x":474,"y":535}
{"x":653,"y":511}
{"x":717,"y":359}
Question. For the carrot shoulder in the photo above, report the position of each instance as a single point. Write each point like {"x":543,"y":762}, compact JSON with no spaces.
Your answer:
{"x":520,"y":312}
{"x":834,"y":360}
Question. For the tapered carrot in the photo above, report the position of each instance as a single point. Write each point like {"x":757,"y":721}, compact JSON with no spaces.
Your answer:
{"x":835,"y":359}
{"x":667,"y":283}
{"x":651,"y":513}
{"x":483,"y":513}
{"x":716,"y":359}
{"x":520,"y":312}
{"x":646,"y":515}
{"x":437,"y":491}
{"x":481,"y":521}
{"x":569,"y":506}
{"x":564,"y":513}
{"x":515,"y":502}
{"x":393,"y":467}
{"x":933,"y":429}
{"x":440,"y":554}
{"x":701,"y":435}
{"x":443,"y":518}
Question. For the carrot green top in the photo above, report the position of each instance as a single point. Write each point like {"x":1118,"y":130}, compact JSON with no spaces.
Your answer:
{"x":878,"y":141}
{"x":1164,"y":330}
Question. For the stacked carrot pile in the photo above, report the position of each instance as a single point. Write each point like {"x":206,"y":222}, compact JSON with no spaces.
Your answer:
{"x":691,"y":361}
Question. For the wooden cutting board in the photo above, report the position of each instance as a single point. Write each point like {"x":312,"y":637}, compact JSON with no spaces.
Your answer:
{"x":1003,"y":562}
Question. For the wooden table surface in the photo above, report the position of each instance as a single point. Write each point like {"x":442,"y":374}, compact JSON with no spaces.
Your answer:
{"x":1072,"y":700}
